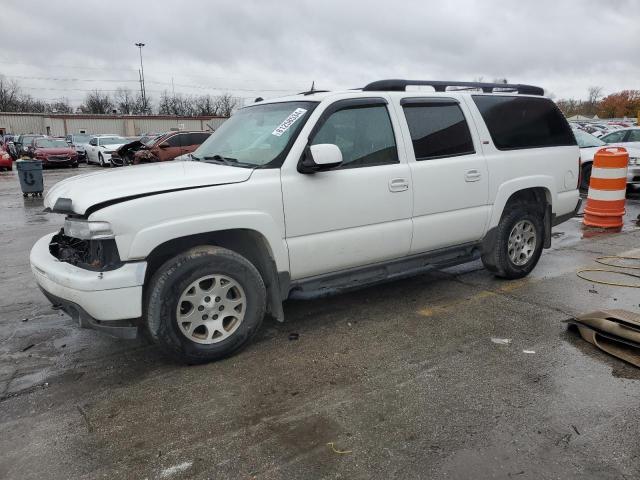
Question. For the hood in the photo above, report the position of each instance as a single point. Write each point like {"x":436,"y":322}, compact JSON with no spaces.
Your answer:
{"x":112,"y":148}
{"x":56,"y":151}
{"x":87,"y":192}
{"x":128,"y":147}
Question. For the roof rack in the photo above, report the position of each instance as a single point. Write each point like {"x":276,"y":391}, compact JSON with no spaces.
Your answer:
{"x":397,"y":85}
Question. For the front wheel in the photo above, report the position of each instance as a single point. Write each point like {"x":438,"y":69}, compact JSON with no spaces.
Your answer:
{"x":205,"y":304}
{"x":518,"y":242}
{"x":100,"y":160}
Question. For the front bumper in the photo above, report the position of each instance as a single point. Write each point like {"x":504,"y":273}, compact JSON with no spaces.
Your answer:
{"x":91,"y":296}
{"x":633,"y":175}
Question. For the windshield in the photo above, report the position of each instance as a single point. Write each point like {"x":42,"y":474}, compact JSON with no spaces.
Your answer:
{"x":81,"y":138}
{"x":256,"y":135}
{"x":586,"y":140}
{"x":149,"y":139}
{"x":51,"y":143}
{"x":111,"y":140}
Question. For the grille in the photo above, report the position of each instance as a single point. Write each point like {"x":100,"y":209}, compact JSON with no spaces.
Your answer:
{"x":58,"y":157}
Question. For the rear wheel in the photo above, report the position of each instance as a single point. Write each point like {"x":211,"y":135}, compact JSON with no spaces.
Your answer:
{"x":205,"y":304}
{"x":518,"y":242}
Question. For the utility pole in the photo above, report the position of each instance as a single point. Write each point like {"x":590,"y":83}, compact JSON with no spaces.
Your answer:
{"x":142,"y":87}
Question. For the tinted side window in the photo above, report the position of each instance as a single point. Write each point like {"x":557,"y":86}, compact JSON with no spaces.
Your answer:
{"x":634,"y":136}
{"x":363,"y":134}
{"x":614,"y":137}
{"x":438,"y":130}
{"x":177,"y":140}
{"x":198,"y":138}
{"x":524,"y":122}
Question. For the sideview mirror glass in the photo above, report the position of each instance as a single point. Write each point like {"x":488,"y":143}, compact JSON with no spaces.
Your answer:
{"x":323,"y":156}
{"x":164,"y":145}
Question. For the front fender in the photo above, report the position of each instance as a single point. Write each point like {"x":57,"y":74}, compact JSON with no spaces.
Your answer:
{"x":145,"y":240}
{"x":512,"y":186}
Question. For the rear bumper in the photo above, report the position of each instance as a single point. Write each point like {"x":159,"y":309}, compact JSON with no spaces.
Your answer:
{"x":88,"y":295}
{"x":633,"y":175}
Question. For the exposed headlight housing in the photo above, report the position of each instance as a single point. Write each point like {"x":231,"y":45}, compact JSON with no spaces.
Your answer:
{"x":86,"y":230}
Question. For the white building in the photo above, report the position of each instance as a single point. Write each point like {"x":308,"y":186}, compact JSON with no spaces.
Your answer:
{"x":125,"y":125}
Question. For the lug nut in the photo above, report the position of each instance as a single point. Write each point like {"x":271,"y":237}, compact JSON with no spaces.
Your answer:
{"x":204,"y":317}
{"x":200,"y":308}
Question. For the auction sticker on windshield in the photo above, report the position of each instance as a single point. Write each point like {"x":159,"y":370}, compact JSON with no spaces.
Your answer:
{"x":290,"y":120}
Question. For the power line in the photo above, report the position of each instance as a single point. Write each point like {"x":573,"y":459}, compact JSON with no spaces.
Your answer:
{"x":183,"y":85}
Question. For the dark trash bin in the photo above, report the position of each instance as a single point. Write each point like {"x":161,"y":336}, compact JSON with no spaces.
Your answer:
{"x":30,"y":174}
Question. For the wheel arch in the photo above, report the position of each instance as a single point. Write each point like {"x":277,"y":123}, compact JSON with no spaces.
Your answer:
{"x":539,"y":193}
{"x":251,"y":244}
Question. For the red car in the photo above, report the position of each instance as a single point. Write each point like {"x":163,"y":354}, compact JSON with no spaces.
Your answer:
{"x":53,"y":151}
{"x":6,"y":162}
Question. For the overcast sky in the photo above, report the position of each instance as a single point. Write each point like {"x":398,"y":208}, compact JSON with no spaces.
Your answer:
{"x":270,"y":48}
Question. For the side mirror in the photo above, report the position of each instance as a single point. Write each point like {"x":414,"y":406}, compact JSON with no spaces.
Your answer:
{"x":164,"y":145}
{"x":317,"y":158}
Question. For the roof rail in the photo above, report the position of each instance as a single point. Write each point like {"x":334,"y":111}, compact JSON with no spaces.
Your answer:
{"x":397,"y":85}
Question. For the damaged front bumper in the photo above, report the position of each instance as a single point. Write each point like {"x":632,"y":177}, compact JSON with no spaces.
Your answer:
{"x":110,"y":301}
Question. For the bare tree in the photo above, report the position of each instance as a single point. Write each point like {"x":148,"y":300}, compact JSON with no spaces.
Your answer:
{"x":594,"y":95}
{"x":60,"y":106}
{"x":9,"y":95}
{"x":97,"y":102}
{"x":124,"y":100}
{"x":225,"y":105}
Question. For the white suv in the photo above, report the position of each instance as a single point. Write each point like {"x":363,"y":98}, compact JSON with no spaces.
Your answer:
{"x":306,"y":196}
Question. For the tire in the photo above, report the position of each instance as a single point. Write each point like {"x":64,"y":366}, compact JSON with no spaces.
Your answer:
{"x":498,"y":258}
{"x":586,"y":177}
{"x":183,"y":275}
{"x":74,"y":165}
{"x":100,"y":160}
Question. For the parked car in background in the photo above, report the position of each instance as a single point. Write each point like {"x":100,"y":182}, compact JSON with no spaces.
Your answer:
{"x":125,"y":154}
{"x":53,"y":152}
{"x":10,"y":146}
{"x":170,"y":146}
{"x":23,"y":142}
{"x":6,"y":162}
{"x":100,"y":148}
{"x":625,"y":137}
{"x":79,"y":141}
{"x":589,"y":145}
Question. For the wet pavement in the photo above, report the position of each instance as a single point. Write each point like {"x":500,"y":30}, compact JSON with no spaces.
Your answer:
{"x":396,"y":381}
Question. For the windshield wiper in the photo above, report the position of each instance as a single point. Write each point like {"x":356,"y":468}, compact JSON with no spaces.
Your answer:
{"x":227,"y":161}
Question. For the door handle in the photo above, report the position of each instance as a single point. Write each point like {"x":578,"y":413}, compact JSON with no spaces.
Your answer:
{"x":398,"y":185}
{"x":472,"y":175}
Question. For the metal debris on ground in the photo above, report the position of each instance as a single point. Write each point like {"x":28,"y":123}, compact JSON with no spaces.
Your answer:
{"x":501,"y":341}
{"x":616,"y":332}
{"x":528,"y":351}
{"x":294,"y":336}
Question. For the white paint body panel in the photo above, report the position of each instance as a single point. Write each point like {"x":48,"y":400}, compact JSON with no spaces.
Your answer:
{"x":112,"y":295}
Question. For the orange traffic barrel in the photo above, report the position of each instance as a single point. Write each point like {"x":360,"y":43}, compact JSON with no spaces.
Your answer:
{"x":607,"y":188}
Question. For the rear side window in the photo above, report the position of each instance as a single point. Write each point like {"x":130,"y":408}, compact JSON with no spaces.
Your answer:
{"x":364,"y":135}
{"x":198,"y":138}
{"x":438,"y":129}
{"x":177,"y":140}
{"x":524,"y":122}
